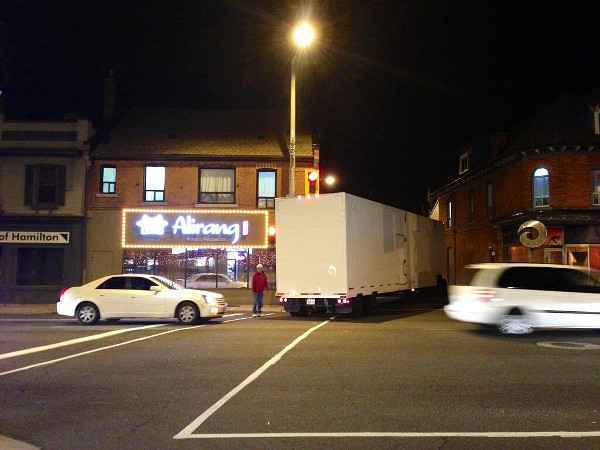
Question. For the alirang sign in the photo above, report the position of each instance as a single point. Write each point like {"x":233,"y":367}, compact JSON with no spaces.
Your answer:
{"x":173,"y":228}
{"x":35,"y":237}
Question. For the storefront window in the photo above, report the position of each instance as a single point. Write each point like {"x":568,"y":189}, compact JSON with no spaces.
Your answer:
{"x":40,"y":266}
{"x":202,"y":269}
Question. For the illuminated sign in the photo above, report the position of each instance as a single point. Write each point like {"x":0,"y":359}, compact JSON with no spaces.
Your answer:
{"x":35,"y":237}
{"x":172,"y":228}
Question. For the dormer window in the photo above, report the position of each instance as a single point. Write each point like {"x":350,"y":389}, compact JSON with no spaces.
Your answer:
{"x":463,"y":162}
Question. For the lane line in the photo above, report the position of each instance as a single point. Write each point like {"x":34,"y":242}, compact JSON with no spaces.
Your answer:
{"x":368,"y":434}
{"x":187,"y":431}
{"x":247,"y":317}
{"x":42,"y":348}
{"x":108,"y":347}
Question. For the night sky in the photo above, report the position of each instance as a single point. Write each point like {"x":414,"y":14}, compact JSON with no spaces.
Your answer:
{"x":393,"y":88}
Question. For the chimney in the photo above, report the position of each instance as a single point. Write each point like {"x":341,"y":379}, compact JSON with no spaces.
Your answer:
{"x":498,"y":142}
{"x":109,"y":97}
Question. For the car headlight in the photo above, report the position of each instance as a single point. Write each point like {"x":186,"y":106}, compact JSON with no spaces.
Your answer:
{"x":210,"y":300}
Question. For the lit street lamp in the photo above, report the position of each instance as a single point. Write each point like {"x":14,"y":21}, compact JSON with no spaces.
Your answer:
{"x":303,"y":36}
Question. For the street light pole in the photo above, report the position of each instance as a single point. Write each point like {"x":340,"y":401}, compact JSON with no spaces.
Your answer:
{"x":303,"y":35}
{"x":292,"y":189}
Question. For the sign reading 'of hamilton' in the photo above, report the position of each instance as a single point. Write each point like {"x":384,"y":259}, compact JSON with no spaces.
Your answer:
{"x":169,"y":228}
{"x":35,"y":237}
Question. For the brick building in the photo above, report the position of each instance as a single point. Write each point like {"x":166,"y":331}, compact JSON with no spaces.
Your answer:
{"x":209,"y":177}
{"x":546,"y":170}
{"x":43,"y":168}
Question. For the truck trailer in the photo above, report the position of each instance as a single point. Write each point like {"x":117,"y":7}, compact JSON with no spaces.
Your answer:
{"x":337,"y":252}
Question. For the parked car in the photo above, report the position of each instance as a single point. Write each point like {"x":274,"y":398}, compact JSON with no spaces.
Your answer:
{"x":120,"y":296}
{"x":212,"y":281}
{"x":518,"y":298}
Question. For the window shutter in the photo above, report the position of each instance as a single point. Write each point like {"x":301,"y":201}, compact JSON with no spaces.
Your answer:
{"x":61,"y":175}
{"x":29,"y":187}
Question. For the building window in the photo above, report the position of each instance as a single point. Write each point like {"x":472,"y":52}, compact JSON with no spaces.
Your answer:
{"x":541,"y":187}
{"x":40,"y":266}
{"x":266,"y":188}
{"x":45,"y":185}
{"x":471,"y":205}
{"x":449,"y":213}
{"x":596,"y":187}
{"x":217,"y":186}
{"x":463,"y":163}
{"x":108,"y":179}
{"x":488,"y":202}
{"x":154,"y":183}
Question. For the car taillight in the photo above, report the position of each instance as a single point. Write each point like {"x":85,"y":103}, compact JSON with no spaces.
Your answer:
{"x":62,"y":291}
{"x":485,"y":295}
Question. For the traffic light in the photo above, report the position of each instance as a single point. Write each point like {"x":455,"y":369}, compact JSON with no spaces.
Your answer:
{"x":311,"y":181}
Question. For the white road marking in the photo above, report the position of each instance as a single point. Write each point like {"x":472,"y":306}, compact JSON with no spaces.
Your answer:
{"x":53,"y":361}
{"x":468,"y":434}
{"x":42,"y":348}
{"x":234,"y":314}
{"x":187,"y":432}
{"x":245,"y":318}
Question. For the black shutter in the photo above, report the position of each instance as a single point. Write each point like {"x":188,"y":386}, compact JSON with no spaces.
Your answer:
{"x":29,"y":184}
{"x":61,"y":175}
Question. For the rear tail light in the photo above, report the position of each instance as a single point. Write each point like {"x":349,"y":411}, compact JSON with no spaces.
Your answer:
{"x":282,"y":300}
{"x":61,"y":293}
{"x":485,"y":295}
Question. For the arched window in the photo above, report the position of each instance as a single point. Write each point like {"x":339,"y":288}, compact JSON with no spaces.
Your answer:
{"x":541,"y":187}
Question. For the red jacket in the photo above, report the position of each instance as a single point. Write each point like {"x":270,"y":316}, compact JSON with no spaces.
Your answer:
{"x":259,"y":282}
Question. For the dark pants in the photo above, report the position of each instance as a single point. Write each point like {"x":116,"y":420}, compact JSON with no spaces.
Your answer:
{"x":257,"y":298}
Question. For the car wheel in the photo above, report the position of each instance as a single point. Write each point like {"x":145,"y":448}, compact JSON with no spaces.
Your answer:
{"x":87,"y":314}
{"x":514,"y":323}
{"x":188,"y":313}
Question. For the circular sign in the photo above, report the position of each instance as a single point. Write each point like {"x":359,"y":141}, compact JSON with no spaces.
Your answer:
{"x":532,"y":233}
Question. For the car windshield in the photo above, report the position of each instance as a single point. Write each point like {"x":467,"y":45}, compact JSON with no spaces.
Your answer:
{"x":166,"y":282}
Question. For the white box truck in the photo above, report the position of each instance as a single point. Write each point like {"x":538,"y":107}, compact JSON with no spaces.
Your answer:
{"x":337,"y":252}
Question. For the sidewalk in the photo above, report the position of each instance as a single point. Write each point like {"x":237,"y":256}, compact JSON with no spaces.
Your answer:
{"x":50,"y":308}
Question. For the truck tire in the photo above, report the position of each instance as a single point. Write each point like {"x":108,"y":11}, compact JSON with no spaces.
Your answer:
{"x":370,"y":305}
{"x":303,"y":311}
{"x":357,"y":307}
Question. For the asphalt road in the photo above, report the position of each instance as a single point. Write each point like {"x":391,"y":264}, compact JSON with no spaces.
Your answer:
{"x":408,"y":377}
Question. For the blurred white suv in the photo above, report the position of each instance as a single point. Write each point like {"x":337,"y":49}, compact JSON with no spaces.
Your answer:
{"x":518,"y":297}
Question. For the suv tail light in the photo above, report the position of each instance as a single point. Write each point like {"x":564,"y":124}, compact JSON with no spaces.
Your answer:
{"x":485,"y":295}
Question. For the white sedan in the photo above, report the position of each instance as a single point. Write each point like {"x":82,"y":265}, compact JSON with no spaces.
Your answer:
{"x":213,"y":281}
{"x":149,"y":296}
{"x":519,"y":297}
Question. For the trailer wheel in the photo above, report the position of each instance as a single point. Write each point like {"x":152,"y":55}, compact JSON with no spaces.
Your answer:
{"x":303,"y":311}
{"x":371,"y":305}
{"x":357,"y":307}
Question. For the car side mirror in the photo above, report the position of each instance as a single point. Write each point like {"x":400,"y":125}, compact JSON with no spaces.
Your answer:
{"x":155,"y":288}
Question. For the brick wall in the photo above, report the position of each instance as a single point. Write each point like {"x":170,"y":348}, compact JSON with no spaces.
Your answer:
{"x":471,"y":238}
{"x":181,"y":190}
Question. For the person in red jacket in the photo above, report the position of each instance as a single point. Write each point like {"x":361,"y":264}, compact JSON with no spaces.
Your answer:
{"x":258,"y":285}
